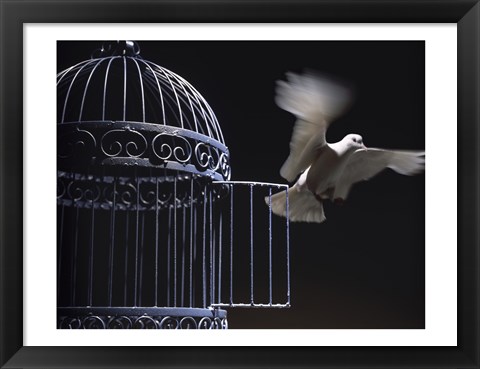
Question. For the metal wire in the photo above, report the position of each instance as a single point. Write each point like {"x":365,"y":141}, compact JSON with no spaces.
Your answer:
{"x":159,"y":89}
{"x":182,"y":274}
{"x":124,"y":89}
{"x":70,"y":88}
{"x":137,"y":241}
{"x":204,"y":276}
{"x":105,"y":87}
{"x":169,"y":252}
{"x":185,"y":93}
{"x":156,"y":243}
{"x":270,"y":244}
{"x":86,"y":88}
{"x":195,"y":223}
{"x":91,"y":249}
{"x":140,"y":274}
{"x":220,"y":248}
{"x":164,"y":71}
{"x":211,"y":254}
{"x":127,"y":218}
{"x":288,"y":247}
{"x":175,"y":242}
{"x":231,"y":244}
{"x":74,"y":256}
{"x":112,"y":245}
{"x":251,"y":245}
{"x":141,"y":88}
{"x":60,"y":249}
{"x":192,"y":207}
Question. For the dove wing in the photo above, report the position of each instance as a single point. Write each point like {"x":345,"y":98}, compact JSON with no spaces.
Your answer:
{"x":364,"y":164}
{"x":306,"y":139}
{"x":315,"y":102}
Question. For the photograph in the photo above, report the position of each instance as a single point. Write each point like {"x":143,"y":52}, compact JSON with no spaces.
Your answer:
{"x":241,"y":184}
{"x":278,"y":184}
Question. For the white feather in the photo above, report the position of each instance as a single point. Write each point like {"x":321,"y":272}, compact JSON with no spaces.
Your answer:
{"x":302,"y":206}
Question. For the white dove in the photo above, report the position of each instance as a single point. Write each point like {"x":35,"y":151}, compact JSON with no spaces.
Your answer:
{"x":329,"y":169}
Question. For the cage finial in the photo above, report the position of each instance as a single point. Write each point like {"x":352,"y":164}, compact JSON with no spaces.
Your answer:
{"x":114,"y":48}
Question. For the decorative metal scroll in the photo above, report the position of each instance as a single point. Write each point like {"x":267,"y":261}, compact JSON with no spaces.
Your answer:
{"x":141,"y":318}
{"x":131,"y":193}
{"x":130,"y":145}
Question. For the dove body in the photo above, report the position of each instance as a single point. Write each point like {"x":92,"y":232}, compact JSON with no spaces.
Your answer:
{"x":326,"y":170}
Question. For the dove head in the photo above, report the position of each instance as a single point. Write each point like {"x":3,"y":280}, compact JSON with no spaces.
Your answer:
{"x":354,"y":142}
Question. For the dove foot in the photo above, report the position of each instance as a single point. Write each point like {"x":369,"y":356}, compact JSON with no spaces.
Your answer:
{"x":339,"y":201}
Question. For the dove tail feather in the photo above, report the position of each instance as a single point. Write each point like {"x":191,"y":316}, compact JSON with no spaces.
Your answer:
{"x":303,"y":206}
{"x":407,"y":162}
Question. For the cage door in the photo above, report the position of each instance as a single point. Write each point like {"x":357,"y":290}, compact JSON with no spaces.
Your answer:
{"x":250,"y":246}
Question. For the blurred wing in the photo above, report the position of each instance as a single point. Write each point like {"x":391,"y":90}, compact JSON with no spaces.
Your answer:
{"x":364,"y":164}
{"x":315,"y":101}
{"x":310,"y":96}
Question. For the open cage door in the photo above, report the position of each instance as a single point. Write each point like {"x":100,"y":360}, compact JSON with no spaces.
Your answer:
{"x":250,"y":247}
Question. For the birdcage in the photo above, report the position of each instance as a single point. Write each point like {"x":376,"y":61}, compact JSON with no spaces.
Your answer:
{"x":152,"y":233}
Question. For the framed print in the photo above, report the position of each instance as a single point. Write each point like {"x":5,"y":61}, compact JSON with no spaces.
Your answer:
{"x":246,"y":237}
{"x":183,"y":224}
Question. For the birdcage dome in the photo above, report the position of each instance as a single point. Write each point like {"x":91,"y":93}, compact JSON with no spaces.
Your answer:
{"x":118,"y":109}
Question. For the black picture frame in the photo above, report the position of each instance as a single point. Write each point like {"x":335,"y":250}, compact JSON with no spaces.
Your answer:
{"x":465,"y":13}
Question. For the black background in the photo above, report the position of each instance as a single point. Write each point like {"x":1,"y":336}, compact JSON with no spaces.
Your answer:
{"x":365,"y":266}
